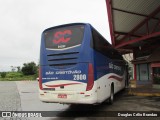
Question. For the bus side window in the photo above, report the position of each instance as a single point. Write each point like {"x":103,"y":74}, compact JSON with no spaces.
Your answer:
{"x":117,"y":55}
{"x":100,"y":44}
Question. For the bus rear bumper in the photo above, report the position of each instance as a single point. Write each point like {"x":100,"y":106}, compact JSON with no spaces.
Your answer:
{"x":70,"y":98}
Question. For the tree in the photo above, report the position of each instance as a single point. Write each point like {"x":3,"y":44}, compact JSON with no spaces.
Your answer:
{"x":3,"y":74}
{"x":18,"y":68}
{"x":29,"y":68}
{"x":13,"y":68}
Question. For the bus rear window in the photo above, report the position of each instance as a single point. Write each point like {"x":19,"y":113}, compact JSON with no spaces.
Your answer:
{"x":64,"y":37}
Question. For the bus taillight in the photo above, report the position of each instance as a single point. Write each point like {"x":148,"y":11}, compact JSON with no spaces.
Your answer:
{"x":40,"y":79}
{"x":90,"y":77}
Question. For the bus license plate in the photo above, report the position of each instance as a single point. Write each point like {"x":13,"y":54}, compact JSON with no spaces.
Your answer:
{"x":62,"y":96}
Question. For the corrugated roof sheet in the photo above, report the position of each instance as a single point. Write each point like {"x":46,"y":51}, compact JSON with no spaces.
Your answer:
{"x":126,"y":18}
{"x":125,"y":22}
{"x":138,"y":6}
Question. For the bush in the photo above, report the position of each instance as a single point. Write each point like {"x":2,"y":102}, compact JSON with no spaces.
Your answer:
{"x":3,"y":74}
{"x":14,"y":75}
{"x":29,"y":68}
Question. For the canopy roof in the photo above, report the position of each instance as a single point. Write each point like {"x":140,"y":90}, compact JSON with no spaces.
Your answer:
{"x":134,"y":23}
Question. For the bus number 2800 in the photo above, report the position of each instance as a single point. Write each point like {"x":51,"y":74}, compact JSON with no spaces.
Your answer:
{"x":79,"y":77}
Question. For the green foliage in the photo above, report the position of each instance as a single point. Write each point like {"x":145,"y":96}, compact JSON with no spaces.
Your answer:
{"x":17,"y":76}
{"x":14,"y":75}
{"x":18,"y":69}
{"x":29,"y":71}
{"x":29,"y":68}
{"x":36,"y":74}
{"x":3,"y":74}
{"x":28,"y":77}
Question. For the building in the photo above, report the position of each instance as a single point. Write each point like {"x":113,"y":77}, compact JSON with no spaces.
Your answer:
{"x":135,"y":28}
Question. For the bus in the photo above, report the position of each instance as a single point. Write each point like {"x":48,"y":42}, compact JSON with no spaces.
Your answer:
{"x":79,"y":66}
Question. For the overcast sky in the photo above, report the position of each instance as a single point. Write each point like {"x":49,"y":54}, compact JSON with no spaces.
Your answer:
{"x":22,"y":22}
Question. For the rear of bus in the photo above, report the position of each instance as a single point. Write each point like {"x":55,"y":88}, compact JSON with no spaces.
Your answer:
{"x":66,"y":73}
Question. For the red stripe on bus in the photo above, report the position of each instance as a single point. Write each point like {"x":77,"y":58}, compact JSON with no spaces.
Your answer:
{"x":115,"y":77}
{"x":62,"y":85}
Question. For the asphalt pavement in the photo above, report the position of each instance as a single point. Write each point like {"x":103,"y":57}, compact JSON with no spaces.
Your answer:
{"x":28,"y":91}
{"x":23,"y":96}
{"x":9,"y":96}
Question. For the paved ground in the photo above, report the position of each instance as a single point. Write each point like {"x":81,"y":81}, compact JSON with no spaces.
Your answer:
{"x":28,"y":92}
{"x":24,"y":96}
{"x":9,"y":97}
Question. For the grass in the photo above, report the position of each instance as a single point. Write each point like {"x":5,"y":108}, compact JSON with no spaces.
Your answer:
{"x":30,"y":77}
{"x":17,"y":76}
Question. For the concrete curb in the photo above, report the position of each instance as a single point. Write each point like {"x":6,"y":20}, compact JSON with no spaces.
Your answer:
{"x":144,"y":94}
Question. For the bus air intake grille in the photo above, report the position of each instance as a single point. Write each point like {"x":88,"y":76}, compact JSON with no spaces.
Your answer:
{"x":62,"y":60}
{"x":63,"y":64}
{"x":61,"y":54}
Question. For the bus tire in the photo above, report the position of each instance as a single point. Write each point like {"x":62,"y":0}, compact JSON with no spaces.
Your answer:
{"x":111,"y":98}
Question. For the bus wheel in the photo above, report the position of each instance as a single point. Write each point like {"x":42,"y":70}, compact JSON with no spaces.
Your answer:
{"x":111,"y":98}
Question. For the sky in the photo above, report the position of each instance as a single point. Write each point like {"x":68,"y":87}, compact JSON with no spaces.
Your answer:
{"x":23,"y":21}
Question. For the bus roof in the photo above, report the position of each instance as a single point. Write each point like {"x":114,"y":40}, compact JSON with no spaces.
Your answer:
{"x":64,"y":25}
